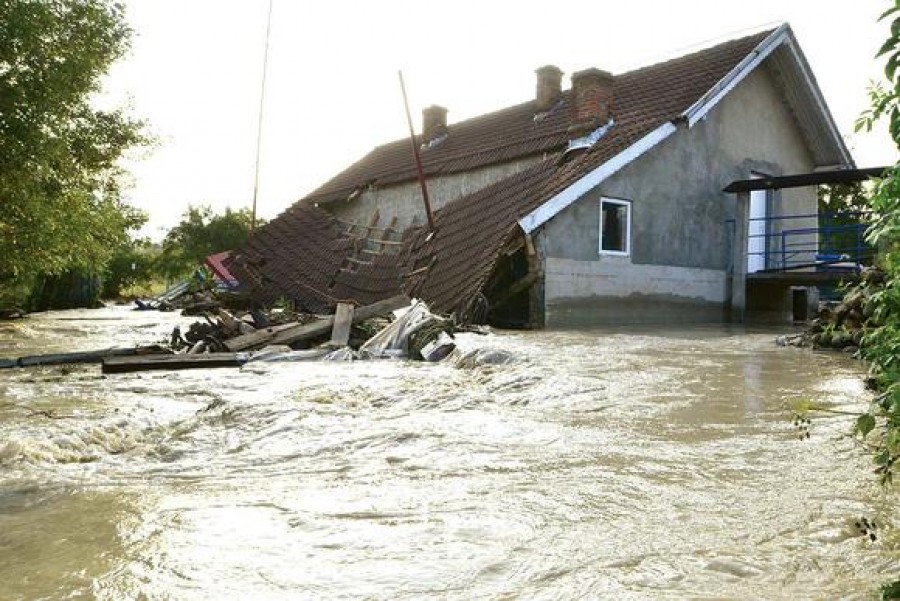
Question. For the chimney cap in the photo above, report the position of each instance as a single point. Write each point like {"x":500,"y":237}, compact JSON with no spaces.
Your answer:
{"x":592,"y":100}
{"x":549,"y":87}
{"x":592,"y":72}
{"x":548,"y":69}
{"x":434,"y":122}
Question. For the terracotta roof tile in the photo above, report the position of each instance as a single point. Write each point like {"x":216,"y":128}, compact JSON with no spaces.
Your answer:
{"x":299,"y":255}
{"x":302,"y":256}
{"x":514,"y":132}
{"x":472,"y":230}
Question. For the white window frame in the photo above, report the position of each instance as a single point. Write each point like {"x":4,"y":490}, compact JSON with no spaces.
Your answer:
{"x":627,"y":205}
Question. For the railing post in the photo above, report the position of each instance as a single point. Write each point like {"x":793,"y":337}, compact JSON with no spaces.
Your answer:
{"x":783,"y":249}
{"x":739,"y":257}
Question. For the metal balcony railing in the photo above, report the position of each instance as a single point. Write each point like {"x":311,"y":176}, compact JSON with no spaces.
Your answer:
{"x":836,"y":241}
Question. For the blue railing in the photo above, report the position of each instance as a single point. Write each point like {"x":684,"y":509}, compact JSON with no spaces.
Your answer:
{"x":786,"y":242}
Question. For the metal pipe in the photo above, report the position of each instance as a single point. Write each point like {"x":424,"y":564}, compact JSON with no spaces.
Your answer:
{"x":415,"y":148}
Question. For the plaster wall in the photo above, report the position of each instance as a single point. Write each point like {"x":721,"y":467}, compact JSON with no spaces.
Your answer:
{"x":679,"y":212}
{"x":405,"y":200}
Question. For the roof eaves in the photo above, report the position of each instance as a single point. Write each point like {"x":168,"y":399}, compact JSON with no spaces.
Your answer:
{"x":816,"y":92}
{"x":592,"y":179}
{"x":710,"y":99}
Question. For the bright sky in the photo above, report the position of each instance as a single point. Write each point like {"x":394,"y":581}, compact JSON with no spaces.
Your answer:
{"x":332,"y":92}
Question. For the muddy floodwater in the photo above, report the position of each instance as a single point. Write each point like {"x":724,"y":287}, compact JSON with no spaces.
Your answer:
{"x":606,"y":464}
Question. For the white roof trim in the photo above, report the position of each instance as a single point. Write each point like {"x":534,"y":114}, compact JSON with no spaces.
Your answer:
{"x":810,"y":80}
{"x":781,"y":36}
{"x":549,"y":209}
{"x":709,"y":100}
{"x":694,"y":113}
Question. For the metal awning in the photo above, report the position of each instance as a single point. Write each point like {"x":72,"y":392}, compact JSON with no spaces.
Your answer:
{"x":841,"y":176}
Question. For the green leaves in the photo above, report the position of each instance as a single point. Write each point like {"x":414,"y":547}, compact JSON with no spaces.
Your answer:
{"x":59,"y":179}
{"x":865,"y":423}
{"x":199,"y":234}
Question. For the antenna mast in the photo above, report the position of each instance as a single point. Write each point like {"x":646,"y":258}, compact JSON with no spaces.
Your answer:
{"x":262,"y":99}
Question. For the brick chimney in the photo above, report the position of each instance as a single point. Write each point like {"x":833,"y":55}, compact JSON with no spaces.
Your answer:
{"x":592,"y":100}
{"x":549,"y":87}
{"x":434,"y":122}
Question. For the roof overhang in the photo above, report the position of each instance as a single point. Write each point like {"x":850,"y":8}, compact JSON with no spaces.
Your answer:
{"x":843,"y":176}
{"x":795,"y":82}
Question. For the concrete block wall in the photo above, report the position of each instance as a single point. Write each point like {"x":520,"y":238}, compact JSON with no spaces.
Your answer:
{"x":680,"y":242}
{"x":613,"y":289}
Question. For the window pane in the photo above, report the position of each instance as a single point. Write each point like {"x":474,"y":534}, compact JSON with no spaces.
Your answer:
{"x":614,"y":234}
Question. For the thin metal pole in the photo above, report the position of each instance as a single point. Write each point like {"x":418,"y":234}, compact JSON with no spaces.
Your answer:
{"x":415,"y":149}
{"x":262,"y":100}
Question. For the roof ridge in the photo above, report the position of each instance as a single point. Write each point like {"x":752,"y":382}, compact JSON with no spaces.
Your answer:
{"x":567,"y":92}
{"x":694,"y":55}
{"x":493,"y":137}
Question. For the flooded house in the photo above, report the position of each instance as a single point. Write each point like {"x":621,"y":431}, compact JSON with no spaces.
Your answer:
{"x":600,"y":203}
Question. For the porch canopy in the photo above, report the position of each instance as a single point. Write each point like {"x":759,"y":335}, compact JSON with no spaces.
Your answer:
{"x":742,"y":235}
{"x":839,"y":176}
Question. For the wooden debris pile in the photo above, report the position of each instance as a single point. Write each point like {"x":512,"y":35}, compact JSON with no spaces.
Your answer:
{"x":842,"y":326}
{"x":226,"y":339}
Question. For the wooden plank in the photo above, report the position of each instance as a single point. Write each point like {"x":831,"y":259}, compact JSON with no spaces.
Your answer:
{"x":373,"y":222}
{"x":386,"y":234}
{"x":86,"y":356}
{"x":119,"y":365}
{"x":529,"y":246}
{"x":305,"y":332}
{"x":424,"y":269}
{"x":343,"y":320}
{"x":257,"y":338}
{"x":381,"y":308}
{"x":321,"y":328}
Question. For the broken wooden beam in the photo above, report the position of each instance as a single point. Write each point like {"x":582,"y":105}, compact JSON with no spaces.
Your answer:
{"x":318,"y":329}
{"x":120,"y":365}
{"x":96,"y":356}
{"x":257,"y":338}
{"x":343,"y":320}
{"x":299,"y":333}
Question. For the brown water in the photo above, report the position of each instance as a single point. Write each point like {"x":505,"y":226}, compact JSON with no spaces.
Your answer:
{"x":604,"y":464}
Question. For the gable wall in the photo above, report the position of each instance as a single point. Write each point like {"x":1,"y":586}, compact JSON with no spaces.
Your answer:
{"x":679,"y":237}
{"x":405,"y":200}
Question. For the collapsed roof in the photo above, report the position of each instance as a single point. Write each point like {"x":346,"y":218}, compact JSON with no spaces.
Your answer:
{"x":302,"y":255}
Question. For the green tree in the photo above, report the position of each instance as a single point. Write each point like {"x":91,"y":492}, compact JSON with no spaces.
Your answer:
{"x":881,"y":346}
{"x":59,"y":179}
{"x":133,"y":265}
{"x":199,"y":234}
{"x":843,"y":211}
